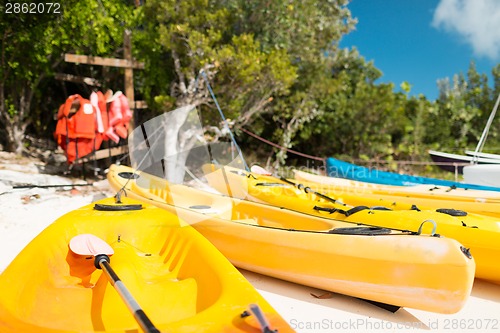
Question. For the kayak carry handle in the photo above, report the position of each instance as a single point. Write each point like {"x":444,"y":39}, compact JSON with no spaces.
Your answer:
{"x":433,"y":232}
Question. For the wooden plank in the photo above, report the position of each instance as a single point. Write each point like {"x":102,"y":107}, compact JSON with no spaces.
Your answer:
{"x":100,"y":61}
{"x":78,"y":79}
{"x":140,"y":105}
{"x":103,"y":153}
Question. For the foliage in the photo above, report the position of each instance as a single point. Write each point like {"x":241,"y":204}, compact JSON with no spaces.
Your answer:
{"x":359,"y":117}
{"x":275,"y":68}
{"x":191,"y":37}
{"x":463,"y":109}
{"x":309,"y":31}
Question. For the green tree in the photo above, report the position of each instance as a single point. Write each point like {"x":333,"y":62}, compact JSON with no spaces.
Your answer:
{"x":464,"y":106}
{"x":20,"y":72}
{"x":182,"y":40}
{"x":360,"y":118}
{"x":309,"y":31}
{"x":421,"y":128}
{"x":262,"y":57}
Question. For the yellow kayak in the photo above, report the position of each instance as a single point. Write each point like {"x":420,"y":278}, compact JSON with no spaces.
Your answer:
{"x":400,"y":197}
{"x":180,"y":280}
{"x":415,"y":191}
{"x":479,"y":233}
{"x":392,"y":267}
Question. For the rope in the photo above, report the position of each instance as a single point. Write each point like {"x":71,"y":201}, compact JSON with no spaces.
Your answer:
{"x":456,"y":165}
{"x":281,"y":147}
{"x":224,"y":119}
{"x":358,"y":161}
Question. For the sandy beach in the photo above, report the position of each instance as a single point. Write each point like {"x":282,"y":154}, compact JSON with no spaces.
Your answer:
{"x":25,"y":212}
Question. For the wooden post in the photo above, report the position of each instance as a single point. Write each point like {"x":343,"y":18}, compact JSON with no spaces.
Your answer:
{"x":129,"y":74}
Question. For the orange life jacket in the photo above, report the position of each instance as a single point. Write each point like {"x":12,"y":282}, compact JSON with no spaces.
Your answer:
{"x":98,"y":100}
{"x":119,"y":117}
{"x":76,"y":128}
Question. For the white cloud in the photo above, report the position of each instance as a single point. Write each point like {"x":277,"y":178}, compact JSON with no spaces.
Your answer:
{"x":477,"y":21}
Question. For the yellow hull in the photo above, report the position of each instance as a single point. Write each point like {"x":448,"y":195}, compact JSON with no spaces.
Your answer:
{"x":399,"y":197}
{"x":479,"y":233}
{"x":341,"y":186}
{"x":395,"y":268}
{"x":182,"y":282}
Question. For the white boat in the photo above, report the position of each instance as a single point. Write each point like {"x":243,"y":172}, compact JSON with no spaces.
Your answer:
{"x":483,"y":174}
{"x":483,"y":155}
{"x":456,"y":162}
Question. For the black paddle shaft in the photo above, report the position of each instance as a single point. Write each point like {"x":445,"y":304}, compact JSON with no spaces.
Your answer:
{"x":101,"y":261}
{"x":307,"y":189}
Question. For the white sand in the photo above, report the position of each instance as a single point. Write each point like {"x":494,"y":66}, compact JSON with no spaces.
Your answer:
{"x":22,"y":219}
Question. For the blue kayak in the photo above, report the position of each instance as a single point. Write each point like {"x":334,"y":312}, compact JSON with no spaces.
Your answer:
{"x":341,"y":169}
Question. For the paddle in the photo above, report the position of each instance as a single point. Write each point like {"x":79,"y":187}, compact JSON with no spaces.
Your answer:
{"x":7,"y":188}
{"x":91,"y":245}
{"x":307,"y":189}
{"x":261,"y":171}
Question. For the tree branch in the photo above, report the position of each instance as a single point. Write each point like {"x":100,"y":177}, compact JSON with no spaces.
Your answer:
{"x":178,"y":70}
{"x":246,"y":117}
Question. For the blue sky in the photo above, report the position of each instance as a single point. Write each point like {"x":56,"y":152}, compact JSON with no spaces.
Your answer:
{"x":421,"y":41}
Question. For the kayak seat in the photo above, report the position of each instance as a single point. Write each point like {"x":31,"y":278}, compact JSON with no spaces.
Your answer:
{"x":365,"y":231}
{"x":451,"y":211}
{"x":205,"y":209}
{"x":220,"y":206}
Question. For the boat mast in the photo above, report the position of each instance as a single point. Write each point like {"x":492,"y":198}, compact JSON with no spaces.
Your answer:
{"x":486,"y":130}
